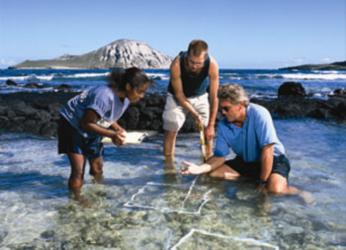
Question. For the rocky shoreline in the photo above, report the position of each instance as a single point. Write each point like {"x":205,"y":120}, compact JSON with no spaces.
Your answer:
{"x":38,"y":113}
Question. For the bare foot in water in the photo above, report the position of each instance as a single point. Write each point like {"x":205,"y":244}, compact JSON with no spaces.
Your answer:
{"x":169,"y":166}
{"x":76,"y":195}
{"x":307,"y":197}
{"x":97,"y":178}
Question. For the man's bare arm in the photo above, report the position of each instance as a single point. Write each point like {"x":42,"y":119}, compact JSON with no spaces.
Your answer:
{"x":213,"y":99}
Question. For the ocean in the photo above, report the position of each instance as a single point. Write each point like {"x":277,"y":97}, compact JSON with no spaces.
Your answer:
{"x":141,"y":206}
{"x":264,"y":82}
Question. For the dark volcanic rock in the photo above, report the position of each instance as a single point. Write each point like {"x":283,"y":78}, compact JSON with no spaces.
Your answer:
{"x":291,"y":89}
{"x":339,"y":92}
{"x":131,"y":118}
{"x":39,"y":113}
{"x":33,"y":85}
{"x":64,"y":87}
{"x":10,"y":82}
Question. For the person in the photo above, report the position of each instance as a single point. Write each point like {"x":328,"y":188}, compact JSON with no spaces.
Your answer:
{"x":93,"y":114}
{"x":248,"y":130}
{"x":188,"y":92}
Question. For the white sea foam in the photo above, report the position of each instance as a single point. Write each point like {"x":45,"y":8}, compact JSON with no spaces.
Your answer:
{"x":318,"y":75}
{"x":160,"y":75}
{"x":27,"y":77}
{"x":86,"y":75}
{"x":326,"y":76}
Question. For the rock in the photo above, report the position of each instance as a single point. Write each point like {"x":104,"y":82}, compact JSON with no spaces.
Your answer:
{"x":10,"y":82}
{"x":338,"y":92}
{"x":155,"y":100}
{"x":122,"y":53}
{"x":319,"y":113}
{"x":156,"y":125}
{"x":3,"y":110}
{"x":38,"y":113}
{"x":54,"y":110}
{"x":4,"y":122}
{"x":291,"y":89}
{"x":23,"y":109}
{"x":150,"y":113}
{"x":32,"y":126}
{"x":33,"y":85}
{"x":131,"y":118}
{"x":43,"y":116}
{"x":17,"y":124}
{"x":11,"y":114}
{"x":49,"y":129}
{"x":156,"y":78}
{"x":64,"y":88}
{"x":340,"y":111}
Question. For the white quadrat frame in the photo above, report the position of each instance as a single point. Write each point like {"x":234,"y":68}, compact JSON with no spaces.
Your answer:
{"x":182,"y":210}
{"x":217,"y":235}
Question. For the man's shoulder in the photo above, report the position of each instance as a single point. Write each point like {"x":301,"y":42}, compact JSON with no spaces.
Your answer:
{"x":212,"y":60}
{"x":175,"y":64}
{"x":257,"y":107}
{"x":178,"y":57}
{"x":213,"y":66}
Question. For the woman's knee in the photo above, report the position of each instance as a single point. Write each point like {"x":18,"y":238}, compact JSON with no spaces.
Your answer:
{"x":96,"y":166}
{"x":75,"y":182}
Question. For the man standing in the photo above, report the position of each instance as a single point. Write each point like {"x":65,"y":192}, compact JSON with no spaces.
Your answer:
{"x":188,"y":92}
{"x":249,"y":131}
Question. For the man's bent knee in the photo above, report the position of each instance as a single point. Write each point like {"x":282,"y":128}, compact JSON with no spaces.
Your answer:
{"x":277,"y":188}
{"x":217,"y":174}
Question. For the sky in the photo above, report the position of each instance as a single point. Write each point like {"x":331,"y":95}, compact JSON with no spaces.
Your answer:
{"x":240,"y":33}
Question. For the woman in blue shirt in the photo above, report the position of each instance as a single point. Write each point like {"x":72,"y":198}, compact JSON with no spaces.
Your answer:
{"x":93,"y":114}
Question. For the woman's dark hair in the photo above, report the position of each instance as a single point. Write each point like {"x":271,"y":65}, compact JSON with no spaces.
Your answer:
{"x":135,"y":77}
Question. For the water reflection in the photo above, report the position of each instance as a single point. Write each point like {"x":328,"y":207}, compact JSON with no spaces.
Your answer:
{"x":167,"y":207}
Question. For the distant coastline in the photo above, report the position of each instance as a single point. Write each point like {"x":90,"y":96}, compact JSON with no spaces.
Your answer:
{"x":122,"y":53}
{"x":331,"y":66}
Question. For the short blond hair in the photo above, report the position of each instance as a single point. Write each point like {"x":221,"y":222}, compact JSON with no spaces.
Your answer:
{"x":197,"y":47}
{"x":233,"y":93}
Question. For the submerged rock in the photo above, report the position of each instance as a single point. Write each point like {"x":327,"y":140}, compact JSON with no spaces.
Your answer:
{"x":10,"y":82}
{"x":291,"y":89}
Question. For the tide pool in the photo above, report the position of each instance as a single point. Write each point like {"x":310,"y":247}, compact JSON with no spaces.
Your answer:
{"x":142,"y":206}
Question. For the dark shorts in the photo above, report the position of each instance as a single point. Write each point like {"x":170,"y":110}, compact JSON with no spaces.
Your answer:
{"x":281,"y":166}
{"x":70,"y":141}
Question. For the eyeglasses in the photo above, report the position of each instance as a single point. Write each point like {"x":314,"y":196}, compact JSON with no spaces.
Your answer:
{"x":225,"y":108}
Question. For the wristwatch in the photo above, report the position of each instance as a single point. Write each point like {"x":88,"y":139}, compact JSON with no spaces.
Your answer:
{"x":261,"y":182}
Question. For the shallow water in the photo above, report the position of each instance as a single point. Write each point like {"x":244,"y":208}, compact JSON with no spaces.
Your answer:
{"x":140,"y":206}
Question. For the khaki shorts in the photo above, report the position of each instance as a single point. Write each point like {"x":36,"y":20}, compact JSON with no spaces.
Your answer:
{"x":174,"y":115}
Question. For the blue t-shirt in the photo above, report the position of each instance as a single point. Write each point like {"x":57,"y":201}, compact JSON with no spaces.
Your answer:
{"x":247,"y":142}
{"x":102,"y":100}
